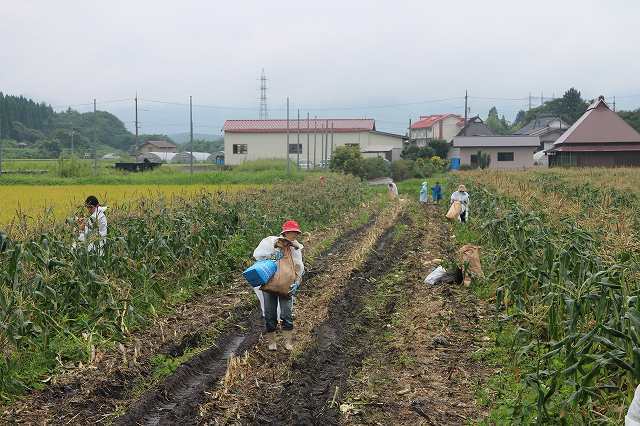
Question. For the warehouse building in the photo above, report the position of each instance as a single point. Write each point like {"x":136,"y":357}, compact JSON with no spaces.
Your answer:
{"x":248,"y":140}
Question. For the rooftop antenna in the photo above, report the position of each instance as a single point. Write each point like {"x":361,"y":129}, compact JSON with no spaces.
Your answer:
{"x":263,"y":97}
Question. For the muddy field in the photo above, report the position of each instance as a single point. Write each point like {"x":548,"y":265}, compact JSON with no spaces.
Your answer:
{"x":374,"y":345}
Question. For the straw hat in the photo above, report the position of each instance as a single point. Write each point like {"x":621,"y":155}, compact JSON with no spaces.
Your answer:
{"x":462,"y":188}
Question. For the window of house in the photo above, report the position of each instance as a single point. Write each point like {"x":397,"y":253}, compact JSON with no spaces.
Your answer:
{"x":474,"y":160}
{"x":295,"y":148}
{"x":505,"y":156}
{"x":239,"y":148}
{"x":353,"y":145}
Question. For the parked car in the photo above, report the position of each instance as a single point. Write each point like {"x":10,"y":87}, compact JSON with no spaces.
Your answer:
{"x":305,"y":165}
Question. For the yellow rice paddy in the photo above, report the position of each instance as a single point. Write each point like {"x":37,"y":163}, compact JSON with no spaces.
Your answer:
{"x":62,"y":201}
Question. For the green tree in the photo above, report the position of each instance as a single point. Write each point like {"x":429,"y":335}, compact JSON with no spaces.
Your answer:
{"x":440,"y":148}
{"x":375,"y":167}
{"x":519,"y":121}
{"x":412,"y":152}
{"x":569,"y":107}
{"x":632,"y":118}
{"x":401,"y":169}
{"x":498,"y":125}
{"x":347,"y":159}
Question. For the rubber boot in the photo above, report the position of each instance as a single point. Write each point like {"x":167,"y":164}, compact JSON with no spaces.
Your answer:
{"x":288,"y":339}
{"x":271,"y":341}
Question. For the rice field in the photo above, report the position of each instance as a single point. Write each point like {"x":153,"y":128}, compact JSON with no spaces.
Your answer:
{"x":30,"y":203}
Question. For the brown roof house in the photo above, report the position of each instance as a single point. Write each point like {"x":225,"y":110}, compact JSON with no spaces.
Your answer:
{"x":475,"y":127}
{"x":157,"y":146}
{"x":600,"y":138}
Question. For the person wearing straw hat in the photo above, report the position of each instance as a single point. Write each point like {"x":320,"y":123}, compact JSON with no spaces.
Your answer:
{"x":462,"y":196}
{"x":273,"y":305}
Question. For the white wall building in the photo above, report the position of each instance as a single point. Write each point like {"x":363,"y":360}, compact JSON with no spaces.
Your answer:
{"x":505,"y":152}
{"x":248,"y":140}
{"x":432,"y":127}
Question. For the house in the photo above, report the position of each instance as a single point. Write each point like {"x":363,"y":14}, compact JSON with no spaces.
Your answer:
{"x":600,"y":138}
{"x":247,"y":140}
{"x":157,"y":146}
{"x":475,"y":127}
{"x":438,"y":126}
{"x":505,"y":152}
{"x":542,"y":122}
{"x":548,"y":129}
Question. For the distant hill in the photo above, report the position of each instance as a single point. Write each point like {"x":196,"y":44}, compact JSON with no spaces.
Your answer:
{"x":38,"y":131}
{"x":184,"y":137}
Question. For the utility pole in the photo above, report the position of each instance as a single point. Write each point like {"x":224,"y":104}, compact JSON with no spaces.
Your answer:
{"x":191,"y":134}
{"x":298,"y":142}
{"x":614,"y":104}
{"x":315,"y":138}
{"x":288,"y":165}
{"x":326,"y":144}
{"x":322,"y":145}
{"x":541,"y":98}
{"x":95,"y":139}
{"x":73,"y":131}
{"x":466,"y":109}
{"x":529,"y":101}
{"x":331,"y":140}
{"x":308,"y":141}
{"x":409,"y":131}
{"x":135,"y":154}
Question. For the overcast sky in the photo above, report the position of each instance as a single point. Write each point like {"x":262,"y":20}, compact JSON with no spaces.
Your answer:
{"x":388,"y":60}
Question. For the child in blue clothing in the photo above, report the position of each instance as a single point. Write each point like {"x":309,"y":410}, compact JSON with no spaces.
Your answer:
{"x":436,"y":193}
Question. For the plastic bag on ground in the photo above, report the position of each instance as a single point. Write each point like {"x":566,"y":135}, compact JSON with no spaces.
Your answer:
{"x":435,"y":275}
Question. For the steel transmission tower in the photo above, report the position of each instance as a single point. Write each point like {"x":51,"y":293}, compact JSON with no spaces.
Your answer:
{"x":263,"y":97}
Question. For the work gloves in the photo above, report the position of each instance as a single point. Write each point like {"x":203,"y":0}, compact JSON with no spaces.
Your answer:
{"x":293,"y":289}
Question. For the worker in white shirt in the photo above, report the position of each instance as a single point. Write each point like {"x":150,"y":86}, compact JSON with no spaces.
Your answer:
{"x":93,"y":230}
{"x":462,"y":196}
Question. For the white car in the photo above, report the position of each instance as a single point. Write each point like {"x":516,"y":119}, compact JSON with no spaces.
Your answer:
{"x":305,"y":165}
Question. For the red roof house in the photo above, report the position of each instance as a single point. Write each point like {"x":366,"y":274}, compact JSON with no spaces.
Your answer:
{"x":437,"y":126}
{"x":600,"y":138}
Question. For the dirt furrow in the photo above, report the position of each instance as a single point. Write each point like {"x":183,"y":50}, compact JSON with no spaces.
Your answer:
{"x":425,"y":369}
{"x":318,"y":377}
{"x":100,"y":391}
{"x":177,"y":399}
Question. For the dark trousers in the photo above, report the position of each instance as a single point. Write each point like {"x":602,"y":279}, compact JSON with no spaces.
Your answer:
{"x":463,"y":216}
{"x":271,"y":312}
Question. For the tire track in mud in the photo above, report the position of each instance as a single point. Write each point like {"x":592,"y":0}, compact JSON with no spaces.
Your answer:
{"x":177,"y":399}
{"x":318,"y":376}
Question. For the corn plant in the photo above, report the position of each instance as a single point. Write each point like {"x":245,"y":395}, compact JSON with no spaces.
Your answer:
{"x":56,"y":303}
{"x":576,"y":314}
